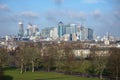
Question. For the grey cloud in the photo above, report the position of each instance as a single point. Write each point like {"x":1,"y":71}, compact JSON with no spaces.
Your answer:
{"x":117,"y":15}
{"x":51,"y":16}
{"x":30,"y":15}
{"x":68,"y":16}
{"x":58,"y":2}
{"x":4,"y":7}
{"x":97,"y":14}
{"x":90,"y":1}
{"x":51,"y":19}
{"x":77,"y":15}
{"x":115,"y":4}
{"x":93,"y":1}
{"x":107,"y":23}
{"x":8,"y":19}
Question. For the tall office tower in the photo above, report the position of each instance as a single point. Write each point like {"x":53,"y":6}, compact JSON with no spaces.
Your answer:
{"x":107,"y":36}
{"x":78,"y":28}
{"x":21,"y":30}
{"x":27,"y":32}
{"x":90,"y":34}
{"x":67,"y":29}
{"x":46,"y":32}
{"x":30,"y":27}
{"x":64,"y":29}
{"x":35,"y":29}
{"x":60,"y":29}
{"x":83,"y":33}
{"x":70,"y":29}
{"x":53,"y":33}
{"x":73,"y":28}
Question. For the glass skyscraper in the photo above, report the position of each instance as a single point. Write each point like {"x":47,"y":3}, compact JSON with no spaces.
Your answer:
{"x":60,"y":29}
{"x":21,"y":30}
{"x":86,"y":33}
{"x":90,"y":34}
{"x":73,"y":28}
{"x":70,"y":29}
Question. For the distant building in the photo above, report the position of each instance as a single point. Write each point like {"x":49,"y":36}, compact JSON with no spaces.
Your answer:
{"x":73,"y":28}
{"x":73,"y":37}
{"x":35,"y":29}
{"x":46,"y":32}
{"x":21,"y":30}
{"x":80,"y":32}
{"x":70,"y":29}
{"x":66,"y":37}
{"x":30,"y":29}
{"x":27,"y":32}
{"x":54,"y":33}
{"x":85,"y":33}
{"x":60,"y":29}
{"x":90,"y":34}
{"x":106,"y":41}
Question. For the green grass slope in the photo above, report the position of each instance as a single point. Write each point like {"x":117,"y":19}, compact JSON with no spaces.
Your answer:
{"x":41,"y":76}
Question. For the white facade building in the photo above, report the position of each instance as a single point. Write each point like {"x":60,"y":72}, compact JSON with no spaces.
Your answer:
{"x":54,"y":33}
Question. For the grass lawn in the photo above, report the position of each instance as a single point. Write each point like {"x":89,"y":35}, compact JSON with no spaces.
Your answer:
{"x":15,"y":75}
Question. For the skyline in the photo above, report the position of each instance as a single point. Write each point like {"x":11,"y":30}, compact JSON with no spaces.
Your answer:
{"x":100,"y":15}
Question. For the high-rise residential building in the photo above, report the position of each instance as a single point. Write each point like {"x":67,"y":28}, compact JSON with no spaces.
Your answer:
{"x":60,"y":29}
{"x":21,"y":30}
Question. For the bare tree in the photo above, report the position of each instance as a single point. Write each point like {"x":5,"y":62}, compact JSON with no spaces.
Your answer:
{"x":49,"y":57}
{"x":20,"y":56}
{"x":69,"y":59}
{"x":3,"y":61}
{"x":114,"y":62}
{"x":34,"y":54}
{"x":3,"y":57}
{"x":100,"y":58}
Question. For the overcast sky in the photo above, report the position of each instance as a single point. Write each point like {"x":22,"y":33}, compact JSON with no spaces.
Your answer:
{"x":100,"y":15}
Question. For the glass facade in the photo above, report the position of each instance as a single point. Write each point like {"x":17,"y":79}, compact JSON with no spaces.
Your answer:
{"x":60,"y":29}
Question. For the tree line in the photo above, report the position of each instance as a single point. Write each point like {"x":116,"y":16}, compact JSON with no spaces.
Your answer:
{"x":31,"y":56}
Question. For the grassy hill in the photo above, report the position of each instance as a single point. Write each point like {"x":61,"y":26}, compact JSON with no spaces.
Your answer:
{"x":15,"y":75}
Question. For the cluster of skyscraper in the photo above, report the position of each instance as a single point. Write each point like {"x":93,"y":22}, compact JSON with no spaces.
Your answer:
{"x":32,"y":30}
{"x":69,"y":32}
{"x":74,"y":32}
